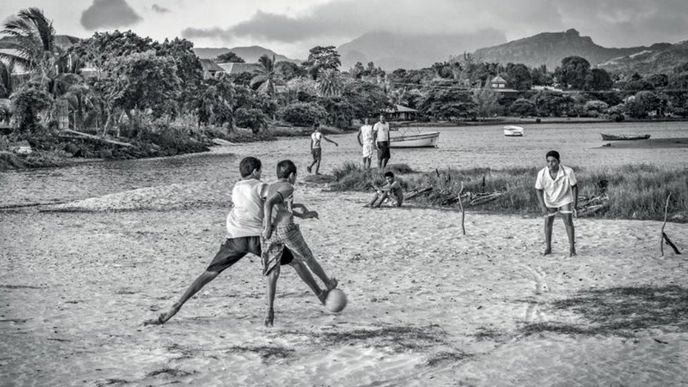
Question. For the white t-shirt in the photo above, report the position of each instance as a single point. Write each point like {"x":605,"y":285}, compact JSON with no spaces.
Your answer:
{"x":246,"y":217}
{"x":316,"y":137}
{"x":367,"y":134}
{"x":557,"y":191}
{"x":382,"y":131}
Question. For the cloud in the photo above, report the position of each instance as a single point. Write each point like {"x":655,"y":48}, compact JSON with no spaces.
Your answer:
{"x":160,"y":9}
{"x":109,"y":14}
{"x":611,"y":22}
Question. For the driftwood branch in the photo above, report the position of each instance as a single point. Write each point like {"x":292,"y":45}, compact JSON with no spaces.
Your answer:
{"x":68,"y":133}
{"x":463,"y":212}
{"x":414,"y":194}
{"x":664,"y":238}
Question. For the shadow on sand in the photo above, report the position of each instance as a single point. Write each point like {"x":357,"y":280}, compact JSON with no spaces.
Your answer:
{"x":621,"y":311}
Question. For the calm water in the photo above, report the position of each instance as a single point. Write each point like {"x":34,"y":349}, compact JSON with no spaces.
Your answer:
{"x":459,"y":147}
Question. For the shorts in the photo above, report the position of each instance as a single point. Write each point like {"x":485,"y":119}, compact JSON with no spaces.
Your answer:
{"x":566,"y":209}
{"x":317,"y":153}
{"x":383,"y":150}
{"x":368,"y":150}
{"x":284,"y":239}
{"x":236,"y":248}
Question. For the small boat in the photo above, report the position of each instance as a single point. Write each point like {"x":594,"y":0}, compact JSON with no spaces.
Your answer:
{"x":415,"y":140}
{"x":611,"y":137}
{"x":513,"y":131}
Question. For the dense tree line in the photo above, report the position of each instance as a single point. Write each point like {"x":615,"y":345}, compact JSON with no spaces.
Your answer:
{"x":118,"y":83}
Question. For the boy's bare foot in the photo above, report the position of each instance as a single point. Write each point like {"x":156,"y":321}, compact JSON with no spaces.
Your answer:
{"x":333,"y":284}
{"x":164,"y":317}
{"x":323,"y":296}
{"x":308,"y":169}
{"x":572,"y":253}
{"x":547,"y":251}
{"x":318,"y":173}
{"x":270,"y":318}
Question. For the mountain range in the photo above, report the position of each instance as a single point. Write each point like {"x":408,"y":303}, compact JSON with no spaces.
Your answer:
{"x":549,"y":48}
{"x":250,"y":54}
{"x":653,"y":61}
{"x":392,"y":51}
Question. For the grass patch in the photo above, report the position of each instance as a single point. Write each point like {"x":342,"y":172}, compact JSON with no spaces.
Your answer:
{"x":621,"y":311}
{"x":634,"y":191}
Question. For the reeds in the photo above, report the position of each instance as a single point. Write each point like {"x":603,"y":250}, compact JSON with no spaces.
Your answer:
{"x":633,"y":191}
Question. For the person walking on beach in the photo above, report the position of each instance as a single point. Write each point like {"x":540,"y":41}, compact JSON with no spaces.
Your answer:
{"x":381,"y":131}
{"x":367,"y":142}
{"x":244,"y":226}
{"x":557,"y":191}
{"x":281,"y":234}
{"x":316,"y":148}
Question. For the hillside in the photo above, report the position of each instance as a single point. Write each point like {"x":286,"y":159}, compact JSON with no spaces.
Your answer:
{"x":392,"y":51}
{"x":250,"y":54}
{"x":549,"y":48}
{"x":651,"y":61}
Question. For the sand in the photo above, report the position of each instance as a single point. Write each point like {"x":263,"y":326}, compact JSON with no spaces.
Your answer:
{"x":427,"y":305}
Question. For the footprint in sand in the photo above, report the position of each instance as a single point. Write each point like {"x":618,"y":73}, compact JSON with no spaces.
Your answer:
{"x":538,"y":277}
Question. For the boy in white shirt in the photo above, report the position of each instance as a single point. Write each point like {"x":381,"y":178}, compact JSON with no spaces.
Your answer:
{"x":244,"y":226}
{"x":316,"y":148}
{"x":557,"y":191}
{"x":367,"y":142}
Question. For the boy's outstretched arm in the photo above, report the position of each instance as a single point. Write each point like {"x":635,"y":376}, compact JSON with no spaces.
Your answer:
{"x":305,"y":213}
{"x":328,"y":140}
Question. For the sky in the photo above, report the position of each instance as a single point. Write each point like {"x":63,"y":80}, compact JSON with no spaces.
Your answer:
{"x":292,"y":27}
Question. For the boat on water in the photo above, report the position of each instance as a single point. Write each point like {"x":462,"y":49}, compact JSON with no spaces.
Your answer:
{"x":414,"y":140}
{"x":513,"y":131}
{"x":611,"y":137}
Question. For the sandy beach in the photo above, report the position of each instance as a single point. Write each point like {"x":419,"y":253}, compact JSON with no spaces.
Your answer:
{"x":427,"y":305}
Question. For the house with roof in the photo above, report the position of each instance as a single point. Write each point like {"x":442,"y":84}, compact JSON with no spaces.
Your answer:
{"x":210,"y":68}
{"x":401,"y":113}
{"x":499,"y":85}
{"x":231,"y":68}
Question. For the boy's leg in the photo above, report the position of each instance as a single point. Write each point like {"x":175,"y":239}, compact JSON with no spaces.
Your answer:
{"x":567,"y":217}
{"x":299,"y":248}
{"x":549,"y":221}
{"x":372,"y":202}
{"x":230,"y":253}
{"x":197,"y":285}
{"x":272,"y":288}
{"x":381,"y":200}
{"x":308,"y":279}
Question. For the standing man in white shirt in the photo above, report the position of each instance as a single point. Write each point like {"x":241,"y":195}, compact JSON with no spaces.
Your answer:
{"x":316,"y":148}
{"x":367,"y":142}
{"x":557,"y":191}
{"x":381,"y":131}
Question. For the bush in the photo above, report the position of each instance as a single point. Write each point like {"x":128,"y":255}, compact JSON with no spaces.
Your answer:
{"x":303,"y":113}
{"x":253,"y":119}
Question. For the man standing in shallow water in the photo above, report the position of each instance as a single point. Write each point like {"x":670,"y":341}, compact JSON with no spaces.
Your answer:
{"x":381,"y":131}
{"x":557,"y":191}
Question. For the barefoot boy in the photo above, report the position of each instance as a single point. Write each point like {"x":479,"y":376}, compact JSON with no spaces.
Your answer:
{"x":557,"y":191}
{"x":244,"y":225}
{"x":316,"y":148}
{"x":391,"y":190}
{"x":281,"y":233}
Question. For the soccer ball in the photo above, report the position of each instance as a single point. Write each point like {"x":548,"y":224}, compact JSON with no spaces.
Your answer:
{"x":335,"y":301}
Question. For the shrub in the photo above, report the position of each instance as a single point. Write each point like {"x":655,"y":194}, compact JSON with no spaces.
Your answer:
{"x":253,"y":119}
{"x":303,"y":113}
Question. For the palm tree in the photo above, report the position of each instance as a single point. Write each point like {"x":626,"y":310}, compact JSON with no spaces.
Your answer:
{"x":330,"y":83}
{"x":31,"y":39}
{"x":6,"y":86}
{"x":265,"y":80}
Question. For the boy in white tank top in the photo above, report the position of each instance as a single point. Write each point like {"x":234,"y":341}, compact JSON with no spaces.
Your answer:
{"x":244,"y":226}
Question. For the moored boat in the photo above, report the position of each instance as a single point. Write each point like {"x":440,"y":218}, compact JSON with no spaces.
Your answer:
{"x":513,"y":131}
{"x":416,"y":140}
{"x":611,"y":137}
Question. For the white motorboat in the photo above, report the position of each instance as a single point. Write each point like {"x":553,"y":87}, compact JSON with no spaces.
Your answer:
{"x":513,"y":131}
{"x":415,"y":140}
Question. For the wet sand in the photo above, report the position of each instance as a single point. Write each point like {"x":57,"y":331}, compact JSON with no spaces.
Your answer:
{"x":427,"y":305}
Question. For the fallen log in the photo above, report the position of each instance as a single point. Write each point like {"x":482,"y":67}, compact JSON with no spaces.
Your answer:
{"x":414,"y":194}
{"x":486,"y":199}
{"x":591,"y":210}
{"x":68,"y":133}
